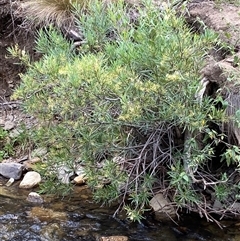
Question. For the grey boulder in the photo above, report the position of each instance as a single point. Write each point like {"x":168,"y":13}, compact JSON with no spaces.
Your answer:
{"x":11,"y":170}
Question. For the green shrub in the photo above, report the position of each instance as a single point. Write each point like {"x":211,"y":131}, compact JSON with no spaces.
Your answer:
{"x":12,"y":145}
{"x":123,"y":103}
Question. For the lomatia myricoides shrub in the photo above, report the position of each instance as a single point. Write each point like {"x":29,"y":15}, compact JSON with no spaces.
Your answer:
{"x":122,"y":102}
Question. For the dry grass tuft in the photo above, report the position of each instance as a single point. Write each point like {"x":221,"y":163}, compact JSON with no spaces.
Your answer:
{"x":57,"y":12}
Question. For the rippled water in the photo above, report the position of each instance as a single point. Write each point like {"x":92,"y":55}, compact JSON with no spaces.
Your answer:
{"x":78,"y":218}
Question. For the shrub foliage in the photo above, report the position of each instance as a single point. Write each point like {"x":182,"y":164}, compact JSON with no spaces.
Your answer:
{"x":126,"y":105}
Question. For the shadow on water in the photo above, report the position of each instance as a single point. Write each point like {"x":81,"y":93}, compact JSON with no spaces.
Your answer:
{"x":79,"y":218}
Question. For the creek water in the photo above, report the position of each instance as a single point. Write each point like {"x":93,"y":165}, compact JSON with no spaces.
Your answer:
{"x":79,"y":218}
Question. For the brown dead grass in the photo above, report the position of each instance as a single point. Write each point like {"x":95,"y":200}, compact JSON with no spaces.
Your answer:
{"x":57,"y":12}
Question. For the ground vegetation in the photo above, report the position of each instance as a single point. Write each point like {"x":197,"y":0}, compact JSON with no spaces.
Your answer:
{"x":128,"y":102}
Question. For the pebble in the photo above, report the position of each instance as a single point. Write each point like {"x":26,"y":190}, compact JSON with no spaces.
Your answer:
{"x":9,"y":125}
{"x":34,"y":197}
{"x":31,"y":179}
{"x":10,"y":182}
{"x":80,"y":180}
{"x":114,"y":238}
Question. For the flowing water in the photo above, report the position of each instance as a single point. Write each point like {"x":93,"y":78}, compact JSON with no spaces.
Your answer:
{"x":79,"y":218}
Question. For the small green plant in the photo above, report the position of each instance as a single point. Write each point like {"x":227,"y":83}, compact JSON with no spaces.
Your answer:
{"x":13,"y":145}
{"x":6,"y":147}
{"x":222,"y":191}
{"x":231,"y":155}
{"x":52,"y":186}
{"x":3,"y":134}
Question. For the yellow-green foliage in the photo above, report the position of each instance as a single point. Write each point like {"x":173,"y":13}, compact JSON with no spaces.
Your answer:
{"x":128,"y":84}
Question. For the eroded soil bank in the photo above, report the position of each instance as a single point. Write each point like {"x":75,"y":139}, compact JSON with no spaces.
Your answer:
{"x":11,"y":33}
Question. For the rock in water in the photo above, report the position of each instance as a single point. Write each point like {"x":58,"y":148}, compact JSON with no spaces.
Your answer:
{"x":31,"y":179}
{"x":52,"y":231}
{"x":46,"y":214}
{"x":34,"y":197}
{"x":10,"y":182}
{"x":162,"y":207}
{"x":114,"y":238}
{"x":11,"y":170}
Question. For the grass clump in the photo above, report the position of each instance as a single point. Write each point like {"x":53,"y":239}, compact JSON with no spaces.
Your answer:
{"x":126,"y":105}
{"x":44,"y":12}
{"x":3,"y":143}
{"x":12,"y":144}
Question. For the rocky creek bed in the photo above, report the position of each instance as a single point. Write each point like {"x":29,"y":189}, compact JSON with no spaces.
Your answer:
{"x":79,"y":218}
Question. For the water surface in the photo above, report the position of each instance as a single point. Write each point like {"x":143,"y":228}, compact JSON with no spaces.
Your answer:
{"x":79,"y":218}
